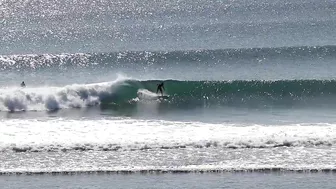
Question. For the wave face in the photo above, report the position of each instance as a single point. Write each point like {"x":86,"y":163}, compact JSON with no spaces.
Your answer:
{"x":181,"y":94}
{"x":119,"y":59}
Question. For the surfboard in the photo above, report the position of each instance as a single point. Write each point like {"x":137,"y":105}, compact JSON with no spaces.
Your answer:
{"x":145,"y":94}
{"x":163,"y":97}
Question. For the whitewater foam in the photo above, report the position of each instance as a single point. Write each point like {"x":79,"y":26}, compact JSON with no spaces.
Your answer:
{"x":133,"y":134}
{"x":163,"y":170}
{"x":184,"y":160}
{"x":53,"y":98}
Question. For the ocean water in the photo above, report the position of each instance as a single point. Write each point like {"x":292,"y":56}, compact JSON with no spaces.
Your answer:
{"x":251,"y":86}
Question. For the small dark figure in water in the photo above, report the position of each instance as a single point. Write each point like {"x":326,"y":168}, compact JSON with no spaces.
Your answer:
{"x":23,"y":84}
{"x":160,"y":88}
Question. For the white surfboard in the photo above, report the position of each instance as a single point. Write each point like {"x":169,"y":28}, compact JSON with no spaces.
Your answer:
{"x":148,"y":95}
{"x":163,"y":97}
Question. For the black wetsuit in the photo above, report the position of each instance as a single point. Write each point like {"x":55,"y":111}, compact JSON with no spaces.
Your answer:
{"x":160,"y":88}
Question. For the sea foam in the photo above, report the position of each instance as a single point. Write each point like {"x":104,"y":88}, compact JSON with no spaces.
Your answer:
{"x":54,"y":98}
{"x":135,"y":134}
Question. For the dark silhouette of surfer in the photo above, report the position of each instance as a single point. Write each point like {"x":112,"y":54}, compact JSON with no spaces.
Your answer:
{"x":160,"y":88}
{"x":23,"y":84}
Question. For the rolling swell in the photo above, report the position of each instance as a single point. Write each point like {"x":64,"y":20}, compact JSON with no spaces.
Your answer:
{"x":185,"y":94}
{"x":127,"y":58}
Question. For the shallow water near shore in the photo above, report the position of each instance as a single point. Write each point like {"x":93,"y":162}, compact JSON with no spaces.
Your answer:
{"x":193,"y":180}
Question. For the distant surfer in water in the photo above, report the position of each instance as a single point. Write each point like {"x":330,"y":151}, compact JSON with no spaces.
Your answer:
{"x":160,"y":88}
{"x":23,"y":84}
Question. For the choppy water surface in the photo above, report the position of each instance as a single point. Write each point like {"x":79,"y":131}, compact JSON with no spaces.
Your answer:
{"x":251,"y":87}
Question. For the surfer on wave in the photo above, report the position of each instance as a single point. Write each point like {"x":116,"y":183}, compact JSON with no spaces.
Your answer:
{"x":160,"y":88}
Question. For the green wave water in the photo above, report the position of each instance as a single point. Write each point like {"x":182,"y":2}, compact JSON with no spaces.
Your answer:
{"x":240,"y":88}
{"x":232,"y":93}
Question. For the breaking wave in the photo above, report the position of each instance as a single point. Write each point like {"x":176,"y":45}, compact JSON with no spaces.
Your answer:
{"x":125,"y":92}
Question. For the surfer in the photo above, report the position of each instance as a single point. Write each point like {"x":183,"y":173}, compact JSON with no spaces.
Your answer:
{"x":23,"y":84}
{"x":160,"y":88}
